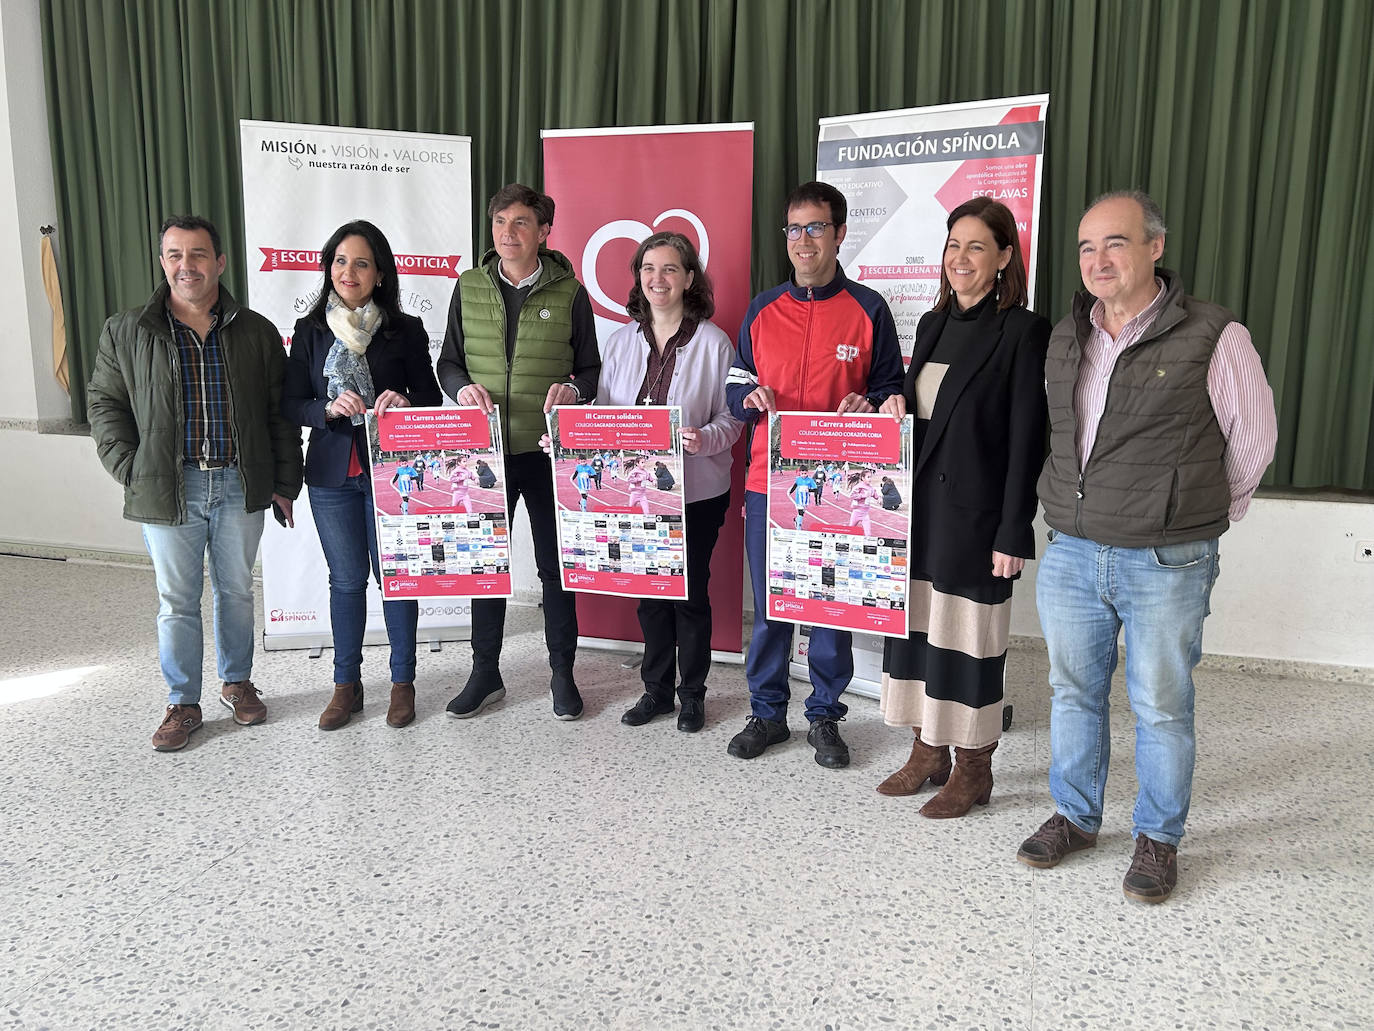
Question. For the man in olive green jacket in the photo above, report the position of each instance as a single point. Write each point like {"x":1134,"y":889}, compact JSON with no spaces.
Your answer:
{"x":521,"y":335}
{"x":184,"y":405}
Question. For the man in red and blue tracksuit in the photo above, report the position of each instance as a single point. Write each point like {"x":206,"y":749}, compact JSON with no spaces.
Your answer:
{"x":817,"y":343}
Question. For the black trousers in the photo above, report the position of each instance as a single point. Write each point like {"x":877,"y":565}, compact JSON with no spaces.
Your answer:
{"x":678,"y":633}
{"x":528,"y":475}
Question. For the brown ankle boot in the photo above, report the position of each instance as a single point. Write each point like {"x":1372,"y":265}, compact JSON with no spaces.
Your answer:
{"x":970,"y":782}
{"x":402,"y":710}
{"x":348,"y":699}
{"x":926,"y":763}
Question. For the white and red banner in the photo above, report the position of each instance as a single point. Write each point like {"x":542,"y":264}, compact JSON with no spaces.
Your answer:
{"x":300,"y":183}
{"x":439,"y":498}
{"x":615,"y":187}
{"x":446,"y":266}
{"x":617,"y":481}
{"x":837,"y":552}
{"x":903,"y":172}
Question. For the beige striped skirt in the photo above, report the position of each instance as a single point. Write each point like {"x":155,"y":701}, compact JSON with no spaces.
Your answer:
{"x":946,"y":675}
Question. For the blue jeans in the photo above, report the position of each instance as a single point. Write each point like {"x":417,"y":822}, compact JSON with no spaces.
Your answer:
{"x":348,"y":536}
{"x":830,"y":654}
{"x":215,"y":523}
{"x":1086,"y":592}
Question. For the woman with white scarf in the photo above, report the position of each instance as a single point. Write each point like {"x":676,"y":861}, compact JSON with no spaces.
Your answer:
{"x":356,"y":351}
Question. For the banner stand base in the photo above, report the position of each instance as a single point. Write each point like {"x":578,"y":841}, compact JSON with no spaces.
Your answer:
{"x":607,"y":644}
{"x":867,"y":681}
{"x":857,"y":685}
{"x":317,"y":643}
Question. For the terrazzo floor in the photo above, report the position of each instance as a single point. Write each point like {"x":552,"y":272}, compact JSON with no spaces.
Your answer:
{"x":518,"y":872}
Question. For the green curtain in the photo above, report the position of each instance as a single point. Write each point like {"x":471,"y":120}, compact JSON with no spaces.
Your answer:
{"x":1251,"y":121}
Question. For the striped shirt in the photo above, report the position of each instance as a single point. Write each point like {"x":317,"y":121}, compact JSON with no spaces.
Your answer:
{"x":204,"y":393}
{"x":1240,"y":395}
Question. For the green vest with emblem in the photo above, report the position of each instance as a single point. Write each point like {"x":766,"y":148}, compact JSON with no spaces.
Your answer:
{"x":543,"y":353}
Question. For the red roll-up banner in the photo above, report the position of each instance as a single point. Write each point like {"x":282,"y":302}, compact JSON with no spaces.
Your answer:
{"x":613,"y":188}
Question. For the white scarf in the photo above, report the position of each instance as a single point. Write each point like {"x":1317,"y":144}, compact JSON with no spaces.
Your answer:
{"x":345,"y":367}
{"x":352,"y":327}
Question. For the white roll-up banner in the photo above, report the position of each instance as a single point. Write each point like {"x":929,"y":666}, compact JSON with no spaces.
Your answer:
{"x":903,"y":172}
{"x":300,"y":183}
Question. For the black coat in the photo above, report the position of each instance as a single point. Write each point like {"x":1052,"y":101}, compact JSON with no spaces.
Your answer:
{"x":398,"y":359}
{"x":973,"y":483}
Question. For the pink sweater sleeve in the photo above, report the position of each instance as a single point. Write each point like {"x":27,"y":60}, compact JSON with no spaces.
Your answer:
{"x":1244,"y":407}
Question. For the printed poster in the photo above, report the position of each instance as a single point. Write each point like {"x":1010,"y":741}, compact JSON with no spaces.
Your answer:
{"x":903,"y":172}
{"x":839,"y":521}
{"x":617,"y":476}
{"x":439,"y":491}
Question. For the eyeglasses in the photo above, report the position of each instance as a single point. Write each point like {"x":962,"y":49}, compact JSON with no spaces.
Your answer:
{"x":812,"y":229}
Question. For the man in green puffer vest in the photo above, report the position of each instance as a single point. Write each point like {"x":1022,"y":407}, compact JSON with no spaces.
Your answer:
{"x":521,"y":336}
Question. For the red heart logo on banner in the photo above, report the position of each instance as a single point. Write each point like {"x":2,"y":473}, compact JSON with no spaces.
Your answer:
{"x":630,"y":229}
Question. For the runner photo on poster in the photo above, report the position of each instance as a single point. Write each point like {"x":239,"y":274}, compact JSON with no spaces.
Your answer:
{"x":617,"y":478}
{"x":438,"y":486}
{"x":839,"y":520}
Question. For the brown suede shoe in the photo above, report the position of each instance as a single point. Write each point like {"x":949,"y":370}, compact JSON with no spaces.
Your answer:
{"x":348,"y":699}
{"x":402,"y":710}
{"x":969,"y":784}
{"x":927,"y":763}
{"x":1056,"y":838}
{"x":243,"y":701}
{"x":1153,"y":872}
{"x":177,"y":725}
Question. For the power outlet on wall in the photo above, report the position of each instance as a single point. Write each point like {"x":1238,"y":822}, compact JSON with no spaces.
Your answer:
{"x":1364,"y":551}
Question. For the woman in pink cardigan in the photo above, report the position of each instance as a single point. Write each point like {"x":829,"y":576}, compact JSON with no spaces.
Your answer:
{"x":672,"y":354}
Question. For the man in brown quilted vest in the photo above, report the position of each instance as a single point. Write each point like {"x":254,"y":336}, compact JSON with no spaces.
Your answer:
{"x":1161,"y":425}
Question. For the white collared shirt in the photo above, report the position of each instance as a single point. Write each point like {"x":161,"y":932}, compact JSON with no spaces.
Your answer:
{"x":529,"y":280}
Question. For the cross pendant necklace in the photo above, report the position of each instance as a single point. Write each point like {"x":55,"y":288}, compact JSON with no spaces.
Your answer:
{"x":649,"y":394}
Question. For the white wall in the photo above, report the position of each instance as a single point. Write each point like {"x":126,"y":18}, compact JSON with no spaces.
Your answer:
{"x":67,"y":500}
{"x":27,"y":388}
{"x":59,"y":494}
{"x":1290,"y":588}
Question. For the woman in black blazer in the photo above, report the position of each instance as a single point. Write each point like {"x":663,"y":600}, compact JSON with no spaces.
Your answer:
{"x":353,"y":352}
{"x":976,"y":386}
